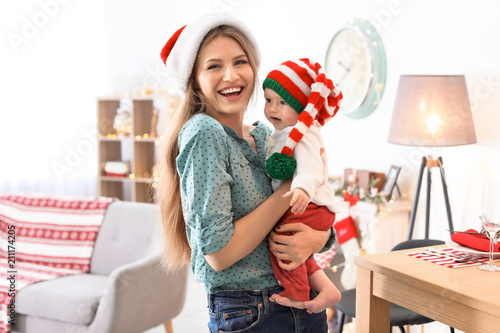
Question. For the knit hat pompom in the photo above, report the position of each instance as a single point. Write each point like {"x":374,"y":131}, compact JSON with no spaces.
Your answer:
{"x":280,"y":166}
{"x":304,"y":86}
{"x":180,"y":51}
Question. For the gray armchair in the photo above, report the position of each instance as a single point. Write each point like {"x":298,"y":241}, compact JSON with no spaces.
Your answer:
{"x":125,"y":291}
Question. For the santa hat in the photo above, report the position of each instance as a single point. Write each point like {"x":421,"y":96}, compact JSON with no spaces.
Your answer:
{"x":304,"y":86}
{"x":180,"y":51}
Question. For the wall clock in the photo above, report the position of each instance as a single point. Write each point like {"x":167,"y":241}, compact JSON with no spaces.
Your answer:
{"x":356,"y":63}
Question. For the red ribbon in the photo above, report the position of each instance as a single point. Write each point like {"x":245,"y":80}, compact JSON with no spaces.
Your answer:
{"x":351,"y":199}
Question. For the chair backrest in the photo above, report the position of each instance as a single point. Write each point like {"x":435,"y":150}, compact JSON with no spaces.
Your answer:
{"x":413,"y":243}
{"x":130,"y":231}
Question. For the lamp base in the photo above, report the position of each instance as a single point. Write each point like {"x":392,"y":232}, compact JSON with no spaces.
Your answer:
{"x":429,"y":163}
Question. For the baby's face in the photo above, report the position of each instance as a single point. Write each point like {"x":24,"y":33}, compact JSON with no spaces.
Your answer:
{"x":278,"y":112}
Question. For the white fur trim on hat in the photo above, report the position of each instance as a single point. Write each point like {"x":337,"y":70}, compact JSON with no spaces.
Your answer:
{"x":181,"y":59}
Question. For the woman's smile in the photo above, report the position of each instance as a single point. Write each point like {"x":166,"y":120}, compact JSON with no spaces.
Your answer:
{"x":231,"y":93}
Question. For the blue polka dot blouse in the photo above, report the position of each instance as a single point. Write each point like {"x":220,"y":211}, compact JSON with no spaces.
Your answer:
{"x":222,"y":180}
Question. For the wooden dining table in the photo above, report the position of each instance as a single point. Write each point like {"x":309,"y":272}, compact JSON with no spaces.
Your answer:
{"x":466,"y":298}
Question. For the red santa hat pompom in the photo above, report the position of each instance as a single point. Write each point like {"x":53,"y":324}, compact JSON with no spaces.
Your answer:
{"x":304,"y":86}
{"x":180,"y":51}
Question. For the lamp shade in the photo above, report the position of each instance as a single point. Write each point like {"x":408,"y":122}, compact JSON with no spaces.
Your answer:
{"x":432,"y":110}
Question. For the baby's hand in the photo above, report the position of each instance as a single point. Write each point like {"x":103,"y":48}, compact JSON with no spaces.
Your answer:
{"x":299,"y":201}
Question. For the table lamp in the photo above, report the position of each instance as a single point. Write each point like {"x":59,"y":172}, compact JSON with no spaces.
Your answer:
{"x":432,"y":111}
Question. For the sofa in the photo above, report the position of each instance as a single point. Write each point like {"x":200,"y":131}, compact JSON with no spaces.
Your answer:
{"x":125,"y":290}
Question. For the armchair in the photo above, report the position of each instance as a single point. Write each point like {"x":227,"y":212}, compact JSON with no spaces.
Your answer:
{"x":125,"y":290}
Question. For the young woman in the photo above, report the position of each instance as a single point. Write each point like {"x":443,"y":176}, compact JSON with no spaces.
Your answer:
{"x":216,"y":200}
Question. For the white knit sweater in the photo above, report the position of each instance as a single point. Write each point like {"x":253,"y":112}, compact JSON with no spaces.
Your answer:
{"x":311,"y":173}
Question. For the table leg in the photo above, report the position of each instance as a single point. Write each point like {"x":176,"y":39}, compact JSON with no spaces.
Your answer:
{"x":372,"y":313}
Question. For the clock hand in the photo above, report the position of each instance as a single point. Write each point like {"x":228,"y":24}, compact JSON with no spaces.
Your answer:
{"x":343,"y":75}
{"x":342,"y":64}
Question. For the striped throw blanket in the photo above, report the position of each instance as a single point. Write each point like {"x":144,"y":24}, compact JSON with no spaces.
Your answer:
{"x":42,"y":238}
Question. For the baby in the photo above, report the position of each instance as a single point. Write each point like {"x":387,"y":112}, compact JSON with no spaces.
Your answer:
{"x":299,"y":100}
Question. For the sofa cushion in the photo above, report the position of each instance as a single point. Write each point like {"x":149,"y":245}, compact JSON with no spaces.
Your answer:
{"x":130,"y":231}
{"x":72,"y":299}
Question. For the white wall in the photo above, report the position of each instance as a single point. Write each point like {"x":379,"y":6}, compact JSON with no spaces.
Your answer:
{"x":53,"y":64}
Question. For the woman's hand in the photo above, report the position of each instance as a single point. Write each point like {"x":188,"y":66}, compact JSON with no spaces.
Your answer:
{"x":300,"y":242}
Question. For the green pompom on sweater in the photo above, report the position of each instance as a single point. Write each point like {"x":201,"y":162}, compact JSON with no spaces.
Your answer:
{"x":280,"y":166}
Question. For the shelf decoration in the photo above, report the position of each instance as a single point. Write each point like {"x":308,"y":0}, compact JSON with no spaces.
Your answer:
{"x":122,"y":122}
{"x":155,"y":176}
{"x":154,"y":122}
{"x":352,"y":191}
{"x":117,"y":169}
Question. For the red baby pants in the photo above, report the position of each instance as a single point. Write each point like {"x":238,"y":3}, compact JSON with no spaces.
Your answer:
{"x":296,"y":282}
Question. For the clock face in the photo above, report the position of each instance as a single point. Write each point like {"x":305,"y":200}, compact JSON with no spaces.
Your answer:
{"x":349,"y":66}
{"x":356,"y":63}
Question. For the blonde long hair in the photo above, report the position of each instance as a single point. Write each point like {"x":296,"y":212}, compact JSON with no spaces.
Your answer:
{"x":176,"y":249}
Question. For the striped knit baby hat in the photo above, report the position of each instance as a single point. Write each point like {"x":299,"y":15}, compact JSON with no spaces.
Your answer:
{"x":304,"y":86}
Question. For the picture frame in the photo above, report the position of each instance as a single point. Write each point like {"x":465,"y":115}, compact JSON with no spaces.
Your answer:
{"x":391,"y":181}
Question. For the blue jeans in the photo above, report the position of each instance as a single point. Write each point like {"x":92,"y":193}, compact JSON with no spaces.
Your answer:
{"x":251,"y":311}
